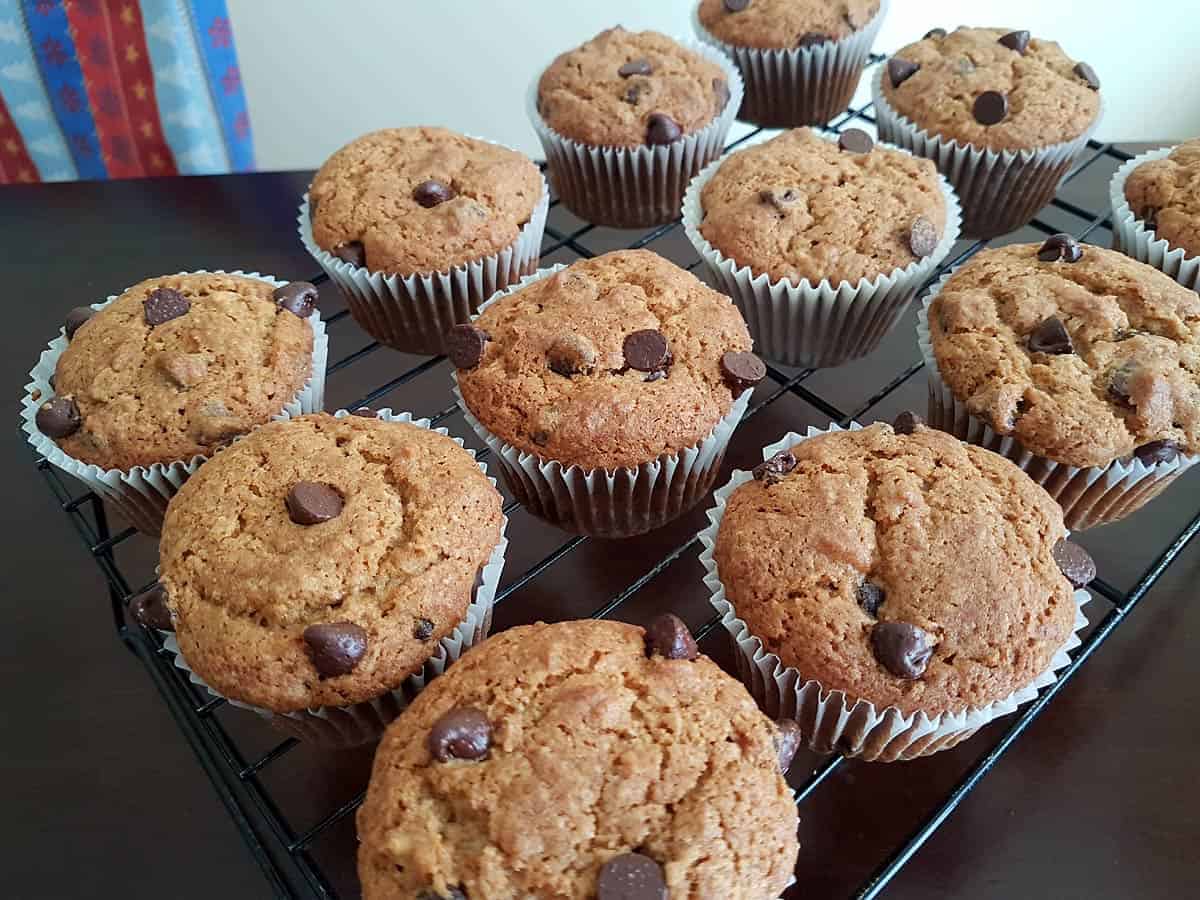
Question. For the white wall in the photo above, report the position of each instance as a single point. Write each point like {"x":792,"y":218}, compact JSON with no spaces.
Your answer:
{"x":320,"y":72}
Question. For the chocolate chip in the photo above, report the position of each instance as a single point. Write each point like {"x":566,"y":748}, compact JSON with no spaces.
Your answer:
{"x":1120,"y":381}
{"x":310,"y":503}
{"x":907,"y":422}
{"x":432,"y":193}
{"x":364,"y":412}
{"x":1157,"y":452}
{"x":646,"y":350}
{"x":634,"y":92}
{"x":855,"y":140}
{"x":297,"y":297}
{"x":635,"y":67}
{"x":938,"y":33}
{"x":335,"y":648}
{"x":149,"y":608}
{"x":462,"y":733}
{"x":1051,"y":337}
{"x":668,"y":636}
{"x":771,"y":471}
{"x":58,"y":418}
{"x":163,"y":305}
{"x":1074,"y":562}
{"x":632,"y":876}
{"x":540,"y":436}
{"x":900,"y":70}
{"x":870,"y":597}
{"x":351,"y":252}
{"x":922,"y":237}
{"x":1124,"y":334}
{"x":812,"y":38}
{"x":901,"y":648}
{"x":721,"y":89}
{"x":991,"y":108}
{"x":1149,"y":217}
{"x":571,"y":354}
{"x":1060,"y":247}
{"x":464,"y":345}
{"x":662,"y":129}
{"x":780,"y":199}
{"x":736,"y":5}
{"x":1088,"y":74}
{"x":1016,"y":40}
{"x":742,"y":370}
{"x":787,"y":741}
{"x":422,"y":630}
{"x":455,"y":894}
{"x":75,"y":318}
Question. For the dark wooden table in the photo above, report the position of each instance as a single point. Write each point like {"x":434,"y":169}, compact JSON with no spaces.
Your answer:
{"x":103,"y":796}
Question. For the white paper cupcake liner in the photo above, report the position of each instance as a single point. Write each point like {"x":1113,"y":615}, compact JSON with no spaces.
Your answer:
{"x":1090,"y":496}
{"x":803,"y":85}
{"x":830,"y":720}
{"x":141,"y":493}
{"x":823,"y":324}
{"x":1133,"y":238}
{"x":412,"y":313}
{"x":1000,"y":190}
{"x":348,"y":726}
{"x":634,"y":187}
{"x":608,"y":502}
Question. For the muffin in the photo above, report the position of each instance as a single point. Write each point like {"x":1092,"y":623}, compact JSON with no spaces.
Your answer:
{"x":1156,"y":211}
{"x":1078,"y":363}
{"x":821,"y":242}
{"x":1002,"y":114}
{"x":627,"y":119}
{"x":893,"y":589}
{"x":321,"y":569}
{"x":580,"y":760}
{"x":801,"y":59}
{"x":418,"y":226}
{"x":139,"y":390}
{"x":609,"y":389}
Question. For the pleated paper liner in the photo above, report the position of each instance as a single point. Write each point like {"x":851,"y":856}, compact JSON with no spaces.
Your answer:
{"x":141,"y":494}
{"x":831,"y":720}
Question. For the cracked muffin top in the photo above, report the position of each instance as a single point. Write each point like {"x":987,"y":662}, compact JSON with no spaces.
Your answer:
{"x":783,"y":24}
{"x":1165,"y":195}
{"x":318,"y":561}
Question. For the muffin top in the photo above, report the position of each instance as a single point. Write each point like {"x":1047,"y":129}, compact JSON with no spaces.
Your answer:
{"x":908,"y":570}
{"x":406,"y":200}
{"x":974,"y":87}
{"x":1165,"y":195}
{"x":177,"y":366}
{"x":1083,"y":362}
{"x":628,"y":88}
{"x":784,"y":24}
{"x":583,"y":749}
{"x":319,"y":561}
{"x":610,"y":362}
{"x":803,"y":207}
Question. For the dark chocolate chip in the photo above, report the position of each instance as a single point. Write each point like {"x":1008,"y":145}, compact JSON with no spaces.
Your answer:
{"x":58,"y":418}
{"x":907,"y":422}
{"x":812,"y":39}
{"x":1016,"y":40}
{"x":462,"y":733}
{"x":991,"y":108}
{"x":455,"y":894}
{"x":149,"y":608}
{"x":662,"y":129}
{"x":75,"y":318}
{"x":432,"y":193}
{"x":634,"y":92}
{"x":922,"y":237}
{"x":1051,"y":337}
{"x":422,"y":630}
{"x":646,"y":350}
{"x":721,"y":89}
{"x":1124,"y":334}
{"x":780,"y":199}
{"x":364,"y":412}
{"x":635,"y":67}
{"x":938,"y":33}
{"x":1149,"y":218}
{"x":736,"y":5}
{"x":465,"y":344}
{"x":571,"y":354}
{"x":1088,"y":74}
{"x":351,"y":252}
{"x":901,"y":648}
{"x":870,"y":597}
{"x":163,"y":305}
{"x":1157,"y":452}
{"x":855,"y":140}
{"x":1060,"y":247}
{"x":335,"y":648}
{"x":787,"y":741}
{"x":631,"y":876}
{"x":310,"y":503}
{"x":1075,"y":563}
{"x":1121,"y":379}
{"x":742,"y":370}
{"x":297,"y":297}
{"x":771,"y":471}
{"x":540,"y":436}
{"x":900,"y":70}
{"x":667,"y":635}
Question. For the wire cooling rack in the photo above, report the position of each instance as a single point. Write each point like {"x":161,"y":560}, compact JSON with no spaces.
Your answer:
{"x":305,"y":846}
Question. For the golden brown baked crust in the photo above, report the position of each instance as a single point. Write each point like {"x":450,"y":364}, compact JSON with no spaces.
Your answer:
{"x":244,"y":580}
{"x":958,"y":538}
{"x":155,"y":394}
{"x":1165,"y":195}
{"x":1125,"y":319}
{"x":782,"y":24}
{"x":596,"y":750}
{"x":364,"y":193}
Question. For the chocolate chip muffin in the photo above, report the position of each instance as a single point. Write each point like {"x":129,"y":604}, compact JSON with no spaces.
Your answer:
{"x":320,"y":561}
{"x":579,"y":760}
{"x":784,"y":24}
{"x":1165,"y":195}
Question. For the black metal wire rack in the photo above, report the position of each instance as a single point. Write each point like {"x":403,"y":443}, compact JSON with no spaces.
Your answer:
{"x":287,"y":845}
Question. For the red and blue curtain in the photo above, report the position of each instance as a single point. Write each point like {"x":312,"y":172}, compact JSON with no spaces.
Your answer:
{"x":93,"y":89}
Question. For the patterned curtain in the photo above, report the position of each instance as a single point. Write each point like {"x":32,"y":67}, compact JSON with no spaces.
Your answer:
{"x":95,"y":89}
